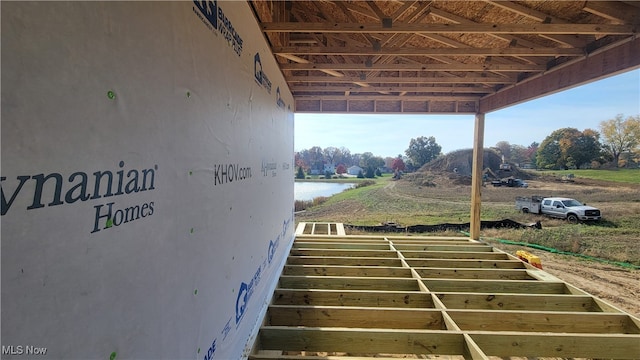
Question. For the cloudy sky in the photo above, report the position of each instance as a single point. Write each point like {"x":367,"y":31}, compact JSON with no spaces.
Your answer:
{"x":389,"y":135}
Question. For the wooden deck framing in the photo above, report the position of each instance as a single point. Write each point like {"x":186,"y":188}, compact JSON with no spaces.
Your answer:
{"x":354,"y":297}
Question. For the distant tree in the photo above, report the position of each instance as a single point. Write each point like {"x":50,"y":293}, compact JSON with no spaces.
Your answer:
{"x":422,"y":150}
{"x":328,"y":174}
{"x":360,"y":174}
{"x":331,"y":154}
{"x":370,"y":173}
{"x":504,"y":148}
{"x":568,"y":147}
{"x":619,"y":135}
{"x":345,"y":157}
{"x":518,"y":154}
{"x":316,"y":158}
{"x":300,"y":174}
{"x":341,"y":169}
{"x":369,"y":160}
{"x":532,"y":151}
{"x":398,"y":164}
{"x":378,"y":172}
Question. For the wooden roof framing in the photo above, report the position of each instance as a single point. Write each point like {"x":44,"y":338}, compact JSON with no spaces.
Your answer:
{"x":356,"y":297}
{"x":431,"y":56}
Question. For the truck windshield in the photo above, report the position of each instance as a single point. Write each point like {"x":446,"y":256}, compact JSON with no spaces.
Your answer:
{"x":570,"y":203}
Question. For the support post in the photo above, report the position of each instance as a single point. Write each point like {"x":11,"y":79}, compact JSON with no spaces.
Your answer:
{"x":476,"y":177}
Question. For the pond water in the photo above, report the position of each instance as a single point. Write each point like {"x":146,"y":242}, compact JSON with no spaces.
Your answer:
{"x":311,"y":190}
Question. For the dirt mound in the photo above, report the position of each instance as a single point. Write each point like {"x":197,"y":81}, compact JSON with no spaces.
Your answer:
{"x":457,"y":165}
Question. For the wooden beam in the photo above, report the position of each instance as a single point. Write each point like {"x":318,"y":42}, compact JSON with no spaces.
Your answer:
{"x":470,"y":79}
{"x":497,"y":274}
{"x":346,"y":261}
{"x":312,"y":244}
{"x":539,"y":321}
{"x":396,"y":299}
{"x":353,"y":271}
{"x":481,"y":255}
{"x":416,"y":67}
{"x":347,"y":283}
{"x":569,"y":40}
{"x":518,"y":302}
{"x":417,"y":250}
{"x":466,"y":263}
{"x":605,"y":346}
{"x":354,"y":317}
{"x":343,"y":252}
{"x":412,"y":51}
{"x":613,"y":10}
{"x":352,"y":97}
{"x":618,"y":58}
{"x":476,"y":176}
{"x":362,"y":340}
{"x":427,"y":89}
{"x":535,"y":29}
{"x":495,"y":286}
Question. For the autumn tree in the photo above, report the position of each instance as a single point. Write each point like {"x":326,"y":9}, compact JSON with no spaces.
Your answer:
{"x":568,"y":147}
{"x":422,"y":150}
{"x":341,"y":169}
{"x":619,"y":135}
{"x":532,"y":152}
{"x":398,"y":164}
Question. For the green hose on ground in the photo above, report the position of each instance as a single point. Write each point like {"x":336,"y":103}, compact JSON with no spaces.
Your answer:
{"x":556,"y":251}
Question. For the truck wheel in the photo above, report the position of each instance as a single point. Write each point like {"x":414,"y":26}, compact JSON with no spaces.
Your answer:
{"x":572,"y":219}
{"x":525,"y":210}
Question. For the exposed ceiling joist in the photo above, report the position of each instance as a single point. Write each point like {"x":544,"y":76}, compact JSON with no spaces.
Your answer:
{"x":532,"y":29}
{"x":412,"y":52}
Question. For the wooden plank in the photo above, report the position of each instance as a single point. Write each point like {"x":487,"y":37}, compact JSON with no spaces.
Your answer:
{"x":337,"y":240}
{"x":353,"y":271}
{"x":354,"y":317}
{"x":347,"y":283}
{"x":466,"y":263}
{"x":298,"y":245}
{"x":475,"y":28}
{"x":383,"y":79}
{"x":352,"y":298}
{"x":343,"y":253}
{"x":300,"y":228}
{"x":414,"y":67}
{"x":346,"y":261}
{"x":468,"y":247}
{"x":497,"y":274}
{"x":519,"y":302}
{"x":369,"y":341}
{"x":413,"y":51}
{"x":492,"y":287}
{"x":454,"y":255}
{"x":476,"y":176}
{"x":538,"y":321}
{"x":417,"y":89}
{"x":591,"y":346}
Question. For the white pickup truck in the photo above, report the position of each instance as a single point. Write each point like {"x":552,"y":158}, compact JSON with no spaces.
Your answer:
{"x":558,"y":207}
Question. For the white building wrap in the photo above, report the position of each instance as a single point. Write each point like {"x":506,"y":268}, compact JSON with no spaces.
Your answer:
{"x":147,"y":179}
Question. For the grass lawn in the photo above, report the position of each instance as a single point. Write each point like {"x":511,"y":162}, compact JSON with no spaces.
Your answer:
{"x":631,"y":176}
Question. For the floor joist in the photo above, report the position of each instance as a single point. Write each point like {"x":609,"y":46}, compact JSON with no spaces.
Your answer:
{"x":358,"y":297}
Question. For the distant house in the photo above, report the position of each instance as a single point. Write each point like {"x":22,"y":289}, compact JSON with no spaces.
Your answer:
{"x":354,"y":170}
{"x":330,"y":168}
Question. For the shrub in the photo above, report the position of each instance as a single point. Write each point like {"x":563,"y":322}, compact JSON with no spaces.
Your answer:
{"x":365,"y":183}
